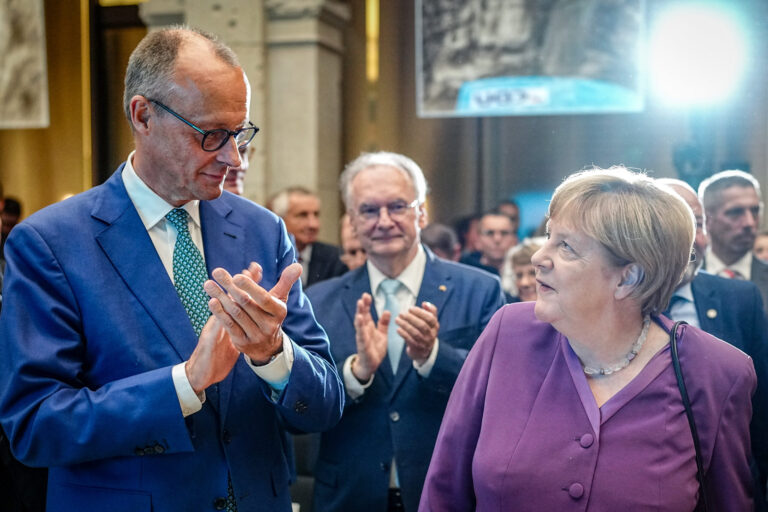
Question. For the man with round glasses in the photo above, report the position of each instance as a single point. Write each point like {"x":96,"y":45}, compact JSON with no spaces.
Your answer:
{"x":114,"y":372}
{"x":400,"y":327}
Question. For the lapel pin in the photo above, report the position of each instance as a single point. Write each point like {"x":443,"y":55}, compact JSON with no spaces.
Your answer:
{"x":442,"y":287}
{"x":712,"y":313}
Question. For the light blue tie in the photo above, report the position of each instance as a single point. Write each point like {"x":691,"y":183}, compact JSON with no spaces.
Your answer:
{"x":394,"y":341}
{"x":189,"y":272}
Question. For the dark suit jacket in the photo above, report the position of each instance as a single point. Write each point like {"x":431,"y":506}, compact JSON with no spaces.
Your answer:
{"x":759,"y":273}
{"x":325,"y":263}
{"x":732,"y":310}
{"x":89,"y":332}
{"x":398,"y":414}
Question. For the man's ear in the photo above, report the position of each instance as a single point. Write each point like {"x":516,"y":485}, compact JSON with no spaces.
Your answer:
{"x":423,"y":216}
{"x":631,"y":276}
{"x":140,"y":114}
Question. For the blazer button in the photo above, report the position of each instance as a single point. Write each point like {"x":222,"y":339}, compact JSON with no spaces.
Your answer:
{"x":220,"y":503}
{"x":149,"y":450}
{"x":300,"y":407}
{"x":394,"y":416}
{"x":159,"y":449}
{"x":384,"y":466}
{"x":576,"y":491}
{"x":586,"y":440}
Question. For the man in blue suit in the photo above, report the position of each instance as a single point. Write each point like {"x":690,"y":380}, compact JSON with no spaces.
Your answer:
{"x":400,"y":328}
{"x":732,"y":310}
{"x":113,"y":373}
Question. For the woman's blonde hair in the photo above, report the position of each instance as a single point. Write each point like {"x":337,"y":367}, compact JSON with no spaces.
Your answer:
{"x":637,"y":221}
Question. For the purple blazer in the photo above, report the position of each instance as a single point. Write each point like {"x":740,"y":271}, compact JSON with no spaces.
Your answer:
{"x":523,"y":432}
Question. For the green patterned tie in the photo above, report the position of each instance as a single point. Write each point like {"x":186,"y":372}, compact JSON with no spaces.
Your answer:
{"x":189,"y":272}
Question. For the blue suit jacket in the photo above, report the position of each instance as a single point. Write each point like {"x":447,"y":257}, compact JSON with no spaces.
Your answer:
{"x":398,"y":414}
{"x":90,"y":329}
{"x":732,"y":310}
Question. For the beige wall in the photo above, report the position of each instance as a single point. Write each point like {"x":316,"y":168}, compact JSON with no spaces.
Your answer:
{"x":41,"y":166}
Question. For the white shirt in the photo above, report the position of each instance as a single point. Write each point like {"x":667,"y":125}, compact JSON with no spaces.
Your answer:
{"x":684,"y":309}
{"x":305,"y":257}
{"x":743,"y":266}
{"x":410,"y":278}
{"x":152,"y":210}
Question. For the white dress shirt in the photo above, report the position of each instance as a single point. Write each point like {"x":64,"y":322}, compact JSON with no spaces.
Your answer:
{"x":152,"y":210}
{"x":743,"y":266}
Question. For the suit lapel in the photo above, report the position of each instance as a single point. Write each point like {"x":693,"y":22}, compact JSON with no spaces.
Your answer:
{"x":436,"y":287}
{"x":223,"y":245}
{"x":127,"y":244}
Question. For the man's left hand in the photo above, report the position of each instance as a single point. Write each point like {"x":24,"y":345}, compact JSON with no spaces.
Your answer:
{"x":252,"y":315}
{"x":419,"y":328}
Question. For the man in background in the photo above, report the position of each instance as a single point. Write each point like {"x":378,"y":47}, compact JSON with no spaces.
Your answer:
{"x":497,"y":236}
{"x":300,"y":210}
{"x":352,"y":252}
{"x":400,"y":329}
{"x":732,"y":310}
{"x":235,"y":180}
{"x":733,"y":209}
{"x":442,"y":240}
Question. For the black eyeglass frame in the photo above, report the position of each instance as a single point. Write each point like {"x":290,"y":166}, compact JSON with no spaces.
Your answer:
{"x":207,"y":133}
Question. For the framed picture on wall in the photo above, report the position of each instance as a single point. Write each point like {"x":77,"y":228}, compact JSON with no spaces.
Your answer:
{"x":529,"y":57}
{"x":23,"y":75}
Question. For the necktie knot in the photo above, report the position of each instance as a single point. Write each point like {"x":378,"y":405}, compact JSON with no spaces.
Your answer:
{"x":178,"y":218}
{"x":389,"y":287}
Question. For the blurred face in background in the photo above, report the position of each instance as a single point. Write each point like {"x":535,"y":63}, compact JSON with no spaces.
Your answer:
{"x":525,"y":280}
{"x":761,"y":247}
{"x":733,"y":224}
{"x":496,"y":237}
{"x":352,"y":252}
{"x":303,"y":219}
{"x":235,"y":180}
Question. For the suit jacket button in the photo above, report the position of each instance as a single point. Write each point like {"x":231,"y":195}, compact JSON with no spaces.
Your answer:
{"x":576,"y":491}
{"x":220,"y":503}
{"x":394,"y":416}
{"x":149,"y":450}
{"x":159,"y":449}
{"x":299,"y":407}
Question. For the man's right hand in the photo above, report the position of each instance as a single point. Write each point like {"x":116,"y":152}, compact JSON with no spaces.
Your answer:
{"x":213,"y":357}
{"x":370,"y":338}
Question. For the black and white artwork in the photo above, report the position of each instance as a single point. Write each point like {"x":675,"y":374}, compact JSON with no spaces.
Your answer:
{"x":23,"y":77}
{"x":528,"y":57}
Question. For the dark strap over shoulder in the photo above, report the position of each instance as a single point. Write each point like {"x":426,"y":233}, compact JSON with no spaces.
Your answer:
{"x":703,"y":501}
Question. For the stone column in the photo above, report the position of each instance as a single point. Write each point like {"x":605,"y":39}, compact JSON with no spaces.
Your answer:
{"x":303,"y":81}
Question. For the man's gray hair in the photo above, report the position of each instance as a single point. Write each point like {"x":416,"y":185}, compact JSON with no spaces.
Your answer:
{"x":383,"y":158}
{"x":280,"y":202}
{"x":151,"y":67}
{"x":710,"y":189}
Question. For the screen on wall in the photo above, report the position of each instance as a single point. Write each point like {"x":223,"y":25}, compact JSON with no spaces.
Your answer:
{"x":528,"y":57}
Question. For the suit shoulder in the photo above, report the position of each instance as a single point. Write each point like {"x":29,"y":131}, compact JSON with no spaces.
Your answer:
{"x":332,"y":286}
{"x":323,"y":248}
{"x":468,"y":272}
{"x":709,"y":355}
{"x":725,"y":285}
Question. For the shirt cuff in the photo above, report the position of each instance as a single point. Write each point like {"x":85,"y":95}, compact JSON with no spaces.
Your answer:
{"x":190,"y":401}
{"x":354,"y":388}
{"x":278,"y":370}
{"x":425,"y":369}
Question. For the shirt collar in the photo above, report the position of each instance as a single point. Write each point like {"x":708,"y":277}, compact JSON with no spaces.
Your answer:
{"x":410,"y":277}
{"x":743,"y":266}
{"x":151,"y":207}
{"x":685,"y":291}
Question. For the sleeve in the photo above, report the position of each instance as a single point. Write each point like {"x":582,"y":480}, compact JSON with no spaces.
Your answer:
{"x":728,"y":478}
{"x":454,"y":348}
{"x":449,"y":484}
{"x":313,"y":398}
{"x":51,"y":415}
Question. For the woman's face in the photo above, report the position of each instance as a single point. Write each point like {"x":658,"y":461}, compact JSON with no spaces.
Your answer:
{"x":576,"y":280}
{"x":525,"y":280}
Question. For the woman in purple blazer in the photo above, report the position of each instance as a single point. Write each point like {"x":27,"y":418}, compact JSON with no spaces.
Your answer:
{"x":571,"y":402}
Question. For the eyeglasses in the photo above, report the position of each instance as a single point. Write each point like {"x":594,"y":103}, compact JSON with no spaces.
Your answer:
{"x":395,"y":210}
{"x":213,"y":140}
